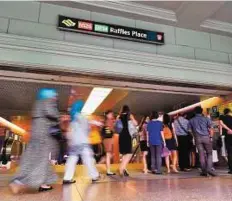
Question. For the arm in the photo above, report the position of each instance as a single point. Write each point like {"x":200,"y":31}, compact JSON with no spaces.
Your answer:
{"x":162,"y":135}
{"x":222,"y":125}
{"x":132,"y":118}
{"x":174,"y":133}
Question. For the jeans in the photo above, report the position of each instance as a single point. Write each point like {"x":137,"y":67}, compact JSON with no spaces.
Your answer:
{"x":183,"y":152}
{"x":156,"y":160}
{"x":86,"y":154}
{"x":228,"y":140}
{"x":205,"y":149}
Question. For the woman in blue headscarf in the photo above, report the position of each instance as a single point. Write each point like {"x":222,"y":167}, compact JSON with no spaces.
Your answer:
{"x":78,"y":141}
{"x":35,"y":168}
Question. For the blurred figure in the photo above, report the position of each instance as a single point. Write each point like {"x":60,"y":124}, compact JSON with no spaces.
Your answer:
{"x":78,"y":143}
{"x":156,"y":141}
{"x":143,"y":142}
{"x":125,"y":139}
{"x":35,"y":168}
{"x":202,"y":130}
{"x":226,"y":124}
{"x":108,"y":142}
{"x":171,"y":143}
{"x":180,"y":129}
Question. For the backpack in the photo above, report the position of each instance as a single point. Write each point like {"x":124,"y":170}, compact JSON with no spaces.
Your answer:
{"x":167,"y":133}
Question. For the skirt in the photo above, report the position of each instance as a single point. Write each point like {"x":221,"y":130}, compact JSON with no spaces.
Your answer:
{"x":171,"y":144}
{"x":143,"y":145}
{"x":108,"y":144}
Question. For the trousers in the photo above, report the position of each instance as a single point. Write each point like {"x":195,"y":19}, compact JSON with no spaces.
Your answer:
{"x":228,"y":140}
{"x":183,"y":152}
{"x":85,"y":152}
{"x":205,"y":149}
{"x":156,"y":159}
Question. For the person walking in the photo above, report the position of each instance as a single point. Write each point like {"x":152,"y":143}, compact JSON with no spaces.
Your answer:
{"x":155,"y":141}
{"x":171,"y":144}
{"x":35,"y":167}
{"x":180,"y":129}
{"x":78,"y":143}
{"x":108,"y":141}
{"x":125,"y":140}
{"x":143,"y":142}
{"x":202,"y":130}
{"x":226,"y":124}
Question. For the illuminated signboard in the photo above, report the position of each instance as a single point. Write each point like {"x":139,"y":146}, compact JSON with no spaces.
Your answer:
{"x":109,"y":30}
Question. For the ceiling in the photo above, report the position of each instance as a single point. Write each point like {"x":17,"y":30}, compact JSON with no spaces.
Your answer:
{"x":17,"y":98}
{"x":208,"y":16}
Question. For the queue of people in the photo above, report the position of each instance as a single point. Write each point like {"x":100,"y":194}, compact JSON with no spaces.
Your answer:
{"x":171,"y":140}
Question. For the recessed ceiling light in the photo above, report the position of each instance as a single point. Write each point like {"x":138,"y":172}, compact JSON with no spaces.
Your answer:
{"x":96,"y":97}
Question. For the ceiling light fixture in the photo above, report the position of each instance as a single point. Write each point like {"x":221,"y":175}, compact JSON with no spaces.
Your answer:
{"x":14,"y":128}
{"x":96,"y":97}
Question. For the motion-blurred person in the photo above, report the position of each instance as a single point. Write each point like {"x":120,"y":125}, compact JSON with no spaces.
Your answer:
{"x":202,"y":130}
{"x":125,"y":140}
{"x":108,"y":141}
{"x":180,"y":129}
{"x":171,"y":143}
{"x":226,"y":124}
{"x":143,"y":142}
{"x":35,"y":168}
{"x":78,"y":143}
{"x":155,"y":141}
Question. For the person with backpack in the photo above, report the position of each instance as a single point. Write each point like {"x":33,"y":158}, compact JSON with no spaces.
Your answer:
{"x":171,"y":144}
{"x":78,"y":142}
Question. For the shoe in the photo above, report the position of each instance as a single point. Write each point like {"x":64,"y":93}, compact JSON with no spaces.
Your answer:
{"x":158,"y":173}
{"x":230,"y":172}
{"x":126,"y":174}
{"x":212,"y":173}
{"x":110,"y":174}
{"x":153,"y":172}
{"x":69,"y":182}
{"x":96,"y":179}
{"x":187,"y":169}
{"x":203,"y":174}
{"x":41,"y":189}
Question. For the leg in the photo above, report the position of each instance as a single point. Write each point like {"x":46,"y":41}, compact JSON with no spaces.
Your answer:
{"x":108,"y":159}
{"x":208,"y":149}
{"x":186,"y":153}
{"x":158,"y":152}
{"x":153,"y":161}
{"x":70,"y":168}
{"x":145,"y":162}
{"x":201,"y":152}
{"x":167,"y":162}
{"x":181,"y":152}
{"x":88,"y":160}
{"x":174,"y":161}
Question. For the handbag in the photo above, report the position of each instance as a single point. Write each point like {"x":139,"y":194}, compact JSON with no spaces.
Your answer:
{"x":118,"y":126}
{"x":132,"y":128}
{"x":55,"y":132}
{"x":165,"y":152}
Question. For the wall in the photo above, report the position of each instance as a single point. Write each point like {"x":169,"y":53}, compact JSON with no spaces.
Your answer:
{"x":36,"y":19}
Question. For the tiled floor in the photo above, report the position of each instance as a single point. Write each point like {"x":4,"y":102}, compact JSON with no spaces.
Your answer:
{"x":139,"y":187}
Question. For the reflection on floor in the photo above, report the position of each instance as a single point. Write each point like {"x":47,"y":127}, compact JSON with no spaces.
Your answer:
{"x":138,"y":187}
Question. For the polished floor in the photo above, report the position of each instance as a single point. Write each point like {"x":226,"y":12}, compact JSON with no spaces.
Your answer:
{"x":138,"y":187}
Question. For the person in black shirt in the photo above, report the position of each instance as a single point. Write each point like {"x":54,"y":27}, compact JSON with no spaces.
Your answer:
{"x":226,"y":124}
{"x":107,"y":136}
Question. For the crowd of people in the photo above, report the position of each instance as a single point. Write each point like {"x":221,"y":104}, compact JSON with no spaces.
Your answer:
{"x":174,"y":138}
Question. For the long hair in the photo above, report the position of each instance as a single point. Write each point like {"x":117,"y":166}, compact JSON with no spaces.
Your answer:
{"x":125,"y":109}
{"x":141,"y":123}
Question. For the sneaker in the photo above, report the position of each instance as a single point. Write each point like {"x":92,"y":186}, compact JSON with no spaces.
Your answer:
{"x":212,"y":173}
{"x":96,"y":180}
{"x":203,"y":174}
{"x":69,"y":182}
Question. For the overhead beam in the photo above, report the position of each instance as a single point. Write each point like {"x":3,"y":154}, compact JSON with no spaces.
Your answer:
{"x":192,"y":13}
